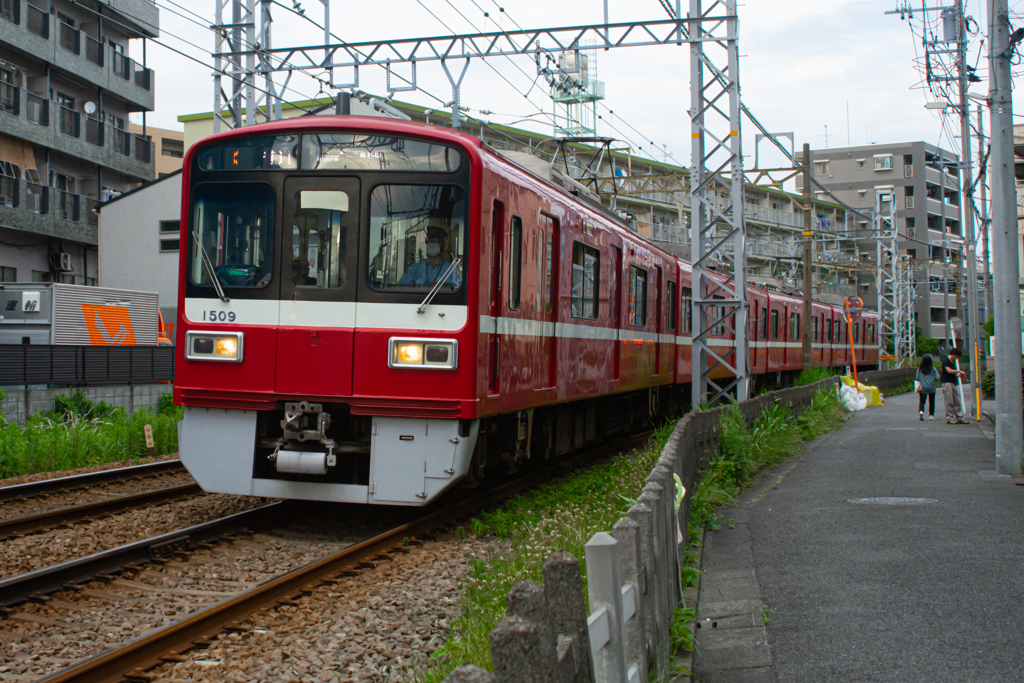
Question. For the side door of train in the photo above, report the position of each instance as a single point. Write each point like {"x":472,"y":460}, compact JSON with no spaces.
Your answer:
{"x":758,"y":302}
{"x":684,"y":340}
{"x":774,"y":342}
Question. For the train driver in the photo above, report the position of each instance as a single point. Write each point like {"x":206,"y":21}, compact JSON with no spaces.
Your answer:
{"x":430,"y":270}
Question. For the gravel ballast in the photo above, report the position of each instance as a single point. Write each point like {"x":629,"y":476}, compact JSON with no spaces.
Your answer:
{"x":379,"y":625}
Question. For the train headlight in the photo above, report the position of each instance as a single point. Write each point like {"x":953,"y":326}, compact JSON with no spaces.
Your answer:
{"x":218,"y":346}
{"x":423,"y":354}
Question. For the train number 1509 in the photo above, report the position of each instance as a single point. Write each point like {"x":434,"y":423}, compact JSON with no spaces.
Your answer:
{"x":219,"y":316}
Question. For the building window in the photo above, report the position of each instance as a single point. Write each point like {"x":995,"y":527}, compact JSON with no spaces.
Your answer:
{"x":637,"y":296}
{"x":883,"y":162}
{"x":66,"y":279}
{"x":820,"y":168}
{"x":91,"y":282}
{"x":170,"y":226}
{"x":586,"y":274}
{"x":40,"y":276}
{"x":912,"y":253}
{"x":860,"y":163}
{"x":938,"y":316}
{"x":168,"y":246}
{"x":8,"y":274}
{"x":911,"y":227}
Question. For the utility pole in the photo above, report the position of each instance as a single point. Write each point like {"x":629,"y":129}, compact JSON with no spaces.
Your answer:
{"x":986,"y":254}
{"x":1009,"y":439}
{"x":808,"y":311}
{"x":967,"y":207}
{"x":945,"y":250}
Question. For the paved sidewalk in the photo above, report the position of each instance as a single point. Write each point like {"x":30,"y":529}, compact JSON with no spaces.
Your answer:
{"x":806,"y":586}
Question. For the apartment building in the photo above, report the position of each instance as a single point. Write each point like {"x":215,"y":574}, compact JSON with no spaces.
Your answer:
{"x":168,"y":147}
{"x":925,"y":180}
{"x":71,"y":73}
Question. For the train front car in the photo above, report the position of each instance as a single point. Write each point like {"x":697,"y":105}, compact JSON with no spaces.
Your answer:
{"x":323,"y":302}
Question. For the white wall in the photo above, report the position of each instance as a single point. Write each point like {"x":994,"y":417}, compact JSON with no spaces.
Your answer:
{"x":129,"y":247}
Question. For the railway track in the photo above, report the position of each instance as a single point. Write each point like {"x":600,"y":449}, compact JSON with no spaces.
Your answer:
{"x":181,"y":562}
{"x":52,"y":503}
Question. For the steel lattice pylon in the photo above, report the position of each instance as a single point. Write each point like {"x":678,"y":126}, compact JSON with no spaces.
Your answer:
{"x":717,"y":231}
{"x":905,"y":340}
{"x":885,"y":275}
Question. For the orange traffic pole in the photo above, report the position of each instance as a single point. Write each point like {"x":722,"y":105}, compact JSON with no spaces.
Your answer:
{"x":853,"y":355}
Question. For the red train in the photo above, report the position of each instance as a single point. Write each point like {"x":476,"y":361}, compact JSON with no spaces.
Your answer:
{"x":373,"y":310}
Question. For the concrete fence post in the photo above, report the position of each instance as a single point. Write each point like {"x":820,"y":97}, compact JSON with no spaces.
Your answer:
{"x":467,"y":673}
{"x":672,"y":533}
{"x":526,"y":600}
{"x":644,"y":517}
{"x":627,"y":533}
{"x":563,"y":588}
{"x":652,"y":498}
{"x":518,"y":652}
{"x":607,"y":640}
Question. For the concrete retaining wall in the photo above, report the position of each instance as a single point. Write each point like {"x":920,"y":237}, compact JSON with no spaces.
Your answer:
{"x":19,"y":403}
{"x":887,"y":379}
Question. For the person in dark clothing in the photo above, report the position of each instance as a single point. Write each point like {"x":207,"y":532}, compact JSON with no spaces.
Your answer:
{"x":927,"y":377}
{"x":949,"y":375}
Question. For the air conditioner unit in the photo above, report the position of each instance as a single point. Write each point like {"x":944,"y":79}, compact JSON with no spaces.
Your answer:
{"x":65,"y":261}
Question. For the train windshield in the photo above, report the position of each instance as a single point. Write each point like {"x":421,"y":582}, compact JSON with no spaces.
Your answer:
{"x":417,"y":238}
{"x":232,"y":235}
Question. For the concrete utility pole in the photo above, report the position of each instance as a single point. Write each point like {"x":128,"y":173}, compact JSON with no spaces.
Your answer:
{"x":967,"y":205}
{"x":808,"y":313}
{"x":986,"y":254}
{"x":1009,"y":438}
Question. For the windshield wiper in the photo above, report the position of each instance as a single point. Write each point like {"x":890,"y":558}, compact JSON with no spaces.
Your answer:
{"x":205,"y":258}
{"x":437,"y":287}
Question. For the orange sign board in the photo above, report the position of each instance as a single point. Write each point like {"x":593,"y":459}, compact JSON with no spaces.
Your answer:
{"x":108,"y":325}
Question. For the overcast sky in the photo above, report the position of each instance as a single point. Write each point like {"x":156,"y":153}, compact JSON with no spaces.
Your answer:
{"x":806,"y":67}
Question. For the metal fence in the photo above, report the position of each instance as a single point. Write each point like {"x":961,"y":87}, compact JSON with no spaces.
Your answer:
{"x":67,"y":365}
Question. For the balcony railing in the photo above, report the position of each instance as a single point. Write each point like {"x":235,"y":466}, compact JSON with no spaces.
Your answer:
{"x":9,"y":10}
{"x":38,"y":109}
{"x":94,"y":50}
{"x":122,"y":141}
{"x":70,"y":122}
{"x":70,"y":38}
{"x":123,"y":66}
{"x":143,"y":77}
{"x":143,"y":149}
{"x":67,"y":205}
{"x":94,"y":131}
{"x":38,"y":21}
{"x":8,"y":191}
{"x":38,"y":198}
{"x":9,"y":99}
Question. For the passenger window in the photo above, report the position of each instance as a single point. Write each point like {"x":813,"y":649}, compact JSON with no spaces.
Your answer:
{"x":775,"y":324}
{"x":515,"y":261}
{"x":586,"y":274}
{"x":319,"y":239}
{"x":671,"y":313}
{"x":637,"y":296}
{"x":856,"y":332}
{"x":814,"y":329}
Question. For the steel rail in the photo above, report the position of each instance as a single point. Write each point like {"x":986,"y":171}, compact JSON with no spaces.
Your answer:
{"x":75,"y":513}
{"x":60,"y":484}
{"x":195,"y":630}
{"x":20,"y":589}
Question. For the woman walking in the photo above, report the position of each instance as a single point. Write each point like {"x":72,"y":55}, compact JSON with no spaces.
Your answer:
{"x":926,"y":378}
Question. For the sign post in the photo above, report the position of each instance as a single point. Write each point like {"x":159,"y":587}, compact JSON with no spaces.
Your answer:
{"x":150,"y":448}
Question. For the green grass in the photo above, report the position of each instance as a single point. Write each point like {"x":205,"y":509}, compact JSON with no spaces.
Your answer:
{"x":812,"y":375}
{"x":775,"y":435}
{"x":80,"y":433}
{"x":562,"y":515}
{"x":904,"y":388}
